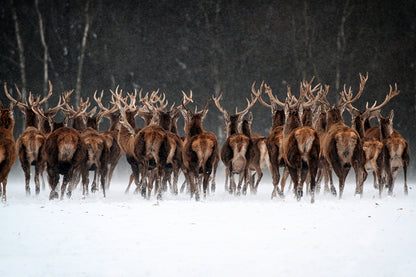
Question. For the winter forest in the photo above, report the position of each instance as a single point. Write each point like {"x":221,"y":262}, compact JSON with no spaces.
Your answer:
{"x":211,"y":47}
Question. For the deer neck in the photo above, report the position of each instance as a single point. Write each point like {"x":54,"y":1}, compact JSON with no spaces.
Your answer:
{"x":194,"y":128}
{"x":386,"y":128}
{"x":357,"y":125}
{"x":278,"y":119}
{"x":31,"y":119}
{"x":292,"y":123}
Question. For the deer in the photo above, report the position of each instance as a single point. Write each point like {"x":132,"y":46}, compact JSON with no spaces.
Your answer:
{"x":274,"y":141}
{"x":110,"y":137}
{"x":200,"y":152}
{"x":64,"y":151}
{"x":396,"y":153}
{"x":167,"y":120}
{"x":8,"y":151}
{"x":148,"y":148}
{"x":87,"y":124}
{"x":300,"y":145}
{"x":29,"y":144}
{"x":371,"y":136}
{"x":126,"y":133}
{"x":342,"y":146}
{"x":235,"y":150}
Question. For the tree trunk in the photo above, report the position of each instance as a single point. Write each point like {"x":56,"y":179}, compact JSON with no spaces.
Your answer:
{"x":341,"y":45}
{"x":21,"y":51}
{"x":45,"y":51}
{"x":82,"y":55}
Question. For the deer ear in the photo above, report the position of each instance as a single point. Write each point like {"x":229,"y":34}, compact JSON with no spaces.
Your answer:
{"x":250,"y":117}
{"x":287,"y":110}
{"x":391,"y":115}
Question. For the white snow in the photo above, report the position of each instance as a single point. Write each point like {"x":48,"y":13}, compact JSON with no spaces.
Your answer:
{"x":223,"y":235}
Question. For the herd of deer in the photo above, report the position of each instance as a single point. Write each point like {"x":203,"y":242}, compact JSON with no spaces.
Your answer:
{"x":308,"y":139}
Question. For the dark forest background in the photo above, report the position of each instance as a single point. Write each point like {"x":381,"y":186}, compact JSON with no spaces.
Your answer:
{"x":212,"y":46}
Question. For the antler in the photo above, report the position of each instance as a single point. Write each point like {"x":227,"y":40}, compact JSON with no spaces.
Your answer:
{"x":272,"y":97}
{"x":348,"y":96}
{"x":308,"y":91}
{"x":14,"y":102}
{"x":217,"y":103}
{"x":389,"y":96}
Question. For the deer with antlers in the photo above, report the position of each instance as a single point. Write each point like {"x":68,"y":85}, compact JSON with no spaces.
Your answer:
{"x":396,"y":153}
{"x":110,"y":137}
{"x":167,"y":120}
{"x":274,"y":141}
{"x":300,"y":143}
{"x":30,"y":142}
{"x":64,"y":151}
{"x":200,"y":152}
{"x":371,"y":136}
{"x":8,"y":151}
{"x":235,"y":150}
{"x":342,"y":146}
{"x":87,"y":123}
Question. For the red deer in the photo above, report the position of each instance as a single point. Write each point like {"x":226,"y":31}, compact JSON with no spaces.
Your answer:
{"x":126,"y":134}
{"x":235,"y":150}
{"x":274,"y":140}
{"x":97,"y":150}
{"x":200,"y":152}
{"x":8,"y":151}
{"x":258,"y":153}
{"x":167,"y":120}
{"x":396,"y":153}
{"x":30,"y":142}
{"x":371,"y":136}
{"x":342,"y":146}
{"x":64,"y":153}
{"x":300,"y":146}
{"x":110,"y":137}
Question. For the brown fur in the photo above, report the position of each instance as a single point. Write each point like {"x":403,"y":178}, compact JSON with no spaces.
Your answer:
{"x":396,"y":153}
{"x":65,"y":159}
{"x":200,"y":153}
{"x":8,"y":150}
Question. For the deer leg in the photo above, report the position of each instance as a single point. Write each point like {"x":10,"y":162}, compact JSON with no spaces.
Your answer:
{"x":3,"y":190}
{"x":94,"y":182}
{"x":37,"y":182}
{"x":284,"y":178}
{"x":227,"y":176}
{"x":64,"y":184}
{"x":276,"y":178}
{"x":342,"y":178}
{"x":360,"y":177}
{"x":214,"y":174}
{"x":406,"y":191}
{"x":295,"y":178}
{"x":53,"y":178}
{"x":26,"y":170}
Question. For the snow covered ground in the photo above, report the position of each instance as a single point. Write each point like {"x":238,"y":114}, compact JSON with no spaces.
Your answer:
{"x":223,"y":235}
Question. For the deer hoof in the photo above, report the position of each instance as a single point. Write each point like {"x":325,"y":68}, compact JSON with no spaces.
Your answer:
{"x":53,"y":195}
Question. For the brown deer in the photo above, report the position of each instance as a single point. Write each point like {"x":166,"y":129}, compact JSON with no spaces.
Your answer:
{"x":258,"y":153}
{"x":396,"y":153}
{"x":371,"y":136}
{"x":300,"y":146}
{"x":167,"y":120}
{"x":110,"y":137}
{"x":274,"y":141}
{"x":126,"y":134}
{"x":64,"y":152}
{"x":235,"y":150}
{"x":200,"y":152}
{"x":97,"y":151}
{"x":30,"y":142}
{"x":8,"y":151}
{"x":342,"y":146}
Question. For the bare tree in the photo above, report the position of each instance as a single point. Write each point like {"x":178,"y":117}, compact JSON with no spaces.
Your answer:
{"x":341,"y":43}
{"x":82,"y":55}
{"x":45,"y":49}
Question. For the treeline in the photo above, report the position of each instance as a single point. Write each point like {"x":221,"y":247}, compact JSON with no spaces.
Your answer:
{"x":209,"y":47}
